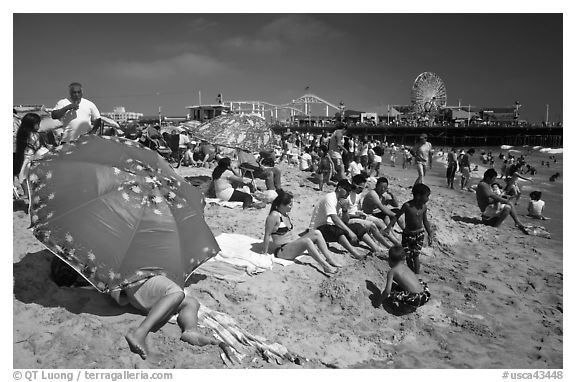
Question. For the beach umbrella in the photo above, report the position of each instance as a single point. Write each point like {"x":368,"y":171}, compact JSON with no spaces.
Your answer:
{"x":248,"y":132}
{"x":118,"y":213}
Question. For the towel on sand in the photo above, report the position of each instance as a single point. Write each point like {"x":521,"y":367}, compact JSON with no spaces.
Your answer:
{"x":210,"y":201}
{"x":238,"y":258}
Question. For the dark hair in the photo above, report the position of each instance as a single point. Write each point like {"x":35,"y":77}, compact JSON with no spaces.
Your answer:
{"x":471,"y":151}
{"x":536,"y":195}
{"x":29,"y":121}
{"x":490,"y":173}
{"x":344,"y":184}
{"x":382,"y":180}
{"x":359,"y":178}
{"x":75,"y":84}
{"x":396,"y":254}
{"x":284,"y":198}
{"x":223,"y":165}
{"x":420,"y":189}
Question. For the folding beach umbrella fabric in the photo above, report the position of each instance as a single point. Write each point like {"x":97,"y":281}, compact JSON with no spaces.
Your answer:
{"x":248,"y":132}
{"x":118,"y":213}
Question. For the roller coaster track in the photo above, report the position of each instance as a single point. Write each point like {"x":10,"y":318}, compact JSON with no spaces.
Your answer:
{"x":263,"y":106}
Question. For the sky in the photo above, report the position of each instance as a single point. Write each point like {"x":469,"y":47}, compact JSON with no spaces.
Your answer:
{"x":367,"y":61}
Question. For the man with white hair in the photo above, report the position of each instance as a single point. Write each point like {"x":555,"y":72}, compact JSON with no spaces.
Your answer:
{"x":76,"y":113}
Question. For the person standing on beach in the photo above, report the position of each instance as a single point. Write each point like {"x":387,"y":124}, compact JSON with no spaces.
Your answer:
{"x":485,"y":197}
{"x":452,"y":167}
{"x":335,"y":151}
{"x":422,"y":155}
{"x":416,"y":224}
{"x":465,"y":169}
{"x":76,"y":113}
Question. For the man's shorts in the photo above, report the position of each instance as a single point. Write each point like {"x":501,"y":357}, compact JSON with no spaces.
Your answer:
{"x":492,"y":214}
{"x":143,"y":296}
{"x":332,"y":233}
{"x":336,"y":158}
{"x":465,"y":172}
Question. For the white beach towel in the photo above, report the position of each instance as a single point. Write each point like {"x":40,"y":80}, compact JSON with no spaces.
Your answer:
{"x":237,"y":251}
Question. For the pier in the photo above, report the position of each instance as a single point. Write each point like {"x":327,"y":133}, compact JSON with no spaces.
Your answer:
{"x":447,"y":135}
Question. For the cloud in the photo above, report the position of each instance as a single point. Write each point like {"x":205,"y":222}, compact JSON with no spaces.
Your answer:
{"x":253,"y":45}
{"x":200,"y":24}
{"x":285,"y":32}
{"x":300,"y":29}
{"x":182,"y":66}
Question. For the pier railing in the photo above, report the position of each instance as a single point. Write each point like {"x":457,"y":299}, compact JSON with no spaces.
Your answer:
{"x":532,"y":135}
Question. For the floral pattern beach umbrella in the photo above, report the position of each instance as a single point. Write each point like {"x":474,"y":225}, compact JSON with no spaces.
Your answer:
{"x":118,"y":213}
{"x":242,"y":131}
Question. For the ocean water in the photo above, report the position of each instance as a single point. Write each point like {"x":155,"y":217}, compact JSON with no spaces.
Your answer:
{"x":552,"y":192}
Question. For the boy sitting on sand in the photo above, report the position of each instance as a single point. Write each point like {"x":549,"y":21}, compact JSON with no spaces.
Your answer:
{"x":403,"y":288}
{"x":416,"y":223}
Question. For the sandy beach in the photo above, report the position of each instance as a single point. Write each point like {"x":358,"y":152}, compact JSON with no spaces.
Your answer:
{"x":497,"y":296}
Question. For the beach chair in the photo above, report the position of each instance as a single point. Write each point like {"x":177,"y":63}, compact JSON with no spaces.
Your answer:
{"x":248,"y":164}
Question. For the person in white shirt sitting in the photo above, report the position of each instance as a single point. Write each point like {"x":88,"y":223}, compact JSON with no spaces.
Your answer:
{"x":536,"y":206}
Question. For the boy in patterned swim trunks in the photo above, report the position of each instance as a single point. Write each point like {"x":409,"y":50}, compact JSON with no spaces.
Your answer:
{"x":403,"y":289}
{"x":416,"y":224}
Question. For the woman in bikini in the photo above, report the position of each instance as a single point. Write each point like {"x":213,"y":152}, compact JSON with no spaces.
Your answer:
{"x":278,"y":228}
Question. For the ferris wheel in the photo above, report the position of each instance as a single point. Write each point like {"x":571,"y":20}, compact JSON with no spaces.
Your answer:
{"x":428,"y":93}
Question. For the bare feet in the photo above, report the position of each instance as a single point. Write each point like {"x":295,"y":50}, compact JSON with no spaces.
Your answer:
{"x":137,"y":344}
{"x":198,"y":339}
{"x":334,"y":263}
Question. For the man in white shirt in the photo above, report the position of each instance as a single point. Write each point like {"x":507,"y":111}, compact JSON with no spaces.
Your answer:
{"x":76,"y":114}
{"x":305,"y":160}
{"x":423,"y":156}
{"x":330,"y":219}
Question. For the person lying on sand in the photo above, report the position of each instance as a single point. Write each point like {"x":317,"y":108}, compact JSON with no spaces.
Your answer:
{"x":278,"y":228}
{"x":330,"y":219}
{"x":403,"y":289}
{"x":416,"y":223}
{"x":160,"y":298}
{"x":485,"y":196}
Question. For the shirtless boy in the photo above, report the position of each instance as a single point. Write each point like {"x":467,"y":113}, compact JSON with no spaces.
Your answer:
{"x":416,"y":224}
{"x":403,"y":288}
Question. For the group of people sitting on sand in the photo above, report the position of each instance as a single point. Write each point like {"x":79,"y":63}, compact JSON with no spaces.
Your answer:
{"x":350,"y":215}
